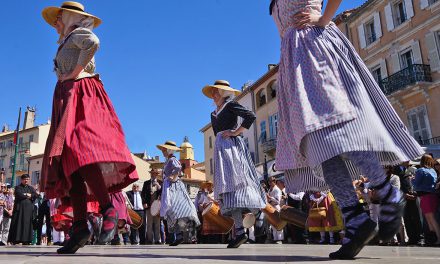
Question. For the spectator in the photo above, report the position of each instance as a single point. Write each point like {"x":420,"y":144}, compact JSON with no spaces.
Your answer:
{"x":274,"y":198}
{"x":134,"y":196}
{"x":7,"y":214}
{"x":151,"y":191}
{"x":424,"y":184}
{"x":21,"y":224}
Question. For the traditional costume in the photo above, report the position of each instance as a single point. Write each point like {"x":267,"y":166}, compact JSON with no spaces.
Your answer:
{"x":176,"y":205}
{"x":85,"y":152}
{"x":236,"y":183}
{"x":334,"y":120}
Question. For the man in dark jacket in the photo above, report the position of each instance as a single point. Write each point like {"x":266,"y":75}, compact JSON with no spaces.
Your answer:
{"x":134,"y":196}
{"x":22,"y":216}
{"x":151,"y":192}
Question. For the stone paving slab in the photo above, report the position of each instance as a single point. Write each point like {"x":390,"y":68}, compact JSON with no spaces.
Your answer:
{"x":207,"y":254}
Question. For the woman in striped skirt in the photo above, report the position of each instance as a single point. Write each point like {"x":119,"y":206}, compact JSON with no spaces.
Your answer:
{"x":86,"y":156}
{"x":335,"y":120}
{"x":176,"y":205}
{"x":236,"y":184}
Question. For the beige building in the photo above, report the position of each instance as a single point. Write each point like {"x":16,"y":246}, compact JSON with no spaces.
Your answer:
{"x":399,"y":42}
{"x":31,"y":143}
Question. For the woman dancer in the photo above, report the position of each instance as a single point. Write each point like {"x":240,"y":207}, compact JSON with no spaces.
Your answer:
{"x":176,"y":205}
{"x":85,"y":153}
{"x":332,"y":117}
{"x":236,"y":184}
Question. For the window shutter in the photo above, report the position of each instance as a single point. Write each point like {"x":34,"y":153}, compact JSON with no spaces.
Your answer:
{"x":377,"y":25}
{"x":409,"y":8}
{"x":361,"y":33}
{"x":395,"y":62}
{"x":424,"y":4}
{"x":433,"y":51}
{"x":389,"y":17}
{"x":416,"y":52}
{"x":383,"y":68}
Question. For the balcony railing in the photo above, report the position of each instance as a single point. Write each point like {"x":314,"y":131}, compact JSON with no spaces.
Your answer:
{"x":408,"y":76}
{"x":269,"y":145}
{"x":429,"y":141}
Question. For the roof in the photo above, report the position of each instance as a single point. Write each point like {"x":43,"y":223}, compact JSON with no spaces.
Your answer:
{"x":360,"y":10}
{"x":9,"y":133}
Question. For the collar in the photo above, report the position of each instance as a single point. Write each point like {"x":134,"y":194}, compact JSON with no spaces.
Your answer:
{"x":217,"y":112}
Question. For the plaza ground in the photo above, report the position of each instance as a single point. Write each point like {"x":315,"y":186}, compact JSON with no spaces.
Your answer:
{"x":248,"y":253}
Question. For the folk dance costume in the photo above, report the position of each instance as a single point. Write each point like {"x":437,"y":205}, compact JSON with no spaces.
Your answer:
{"x":334,"y":120}
{"x":176,"y":205}
{"x":86,"y":154}
{"x":236,"y":184}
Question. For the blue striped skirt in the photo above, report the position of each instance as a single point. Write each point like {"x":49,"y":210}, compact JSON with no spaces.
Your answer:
{"x":236,"y":183}
{"x":377,"y":128}
{"x":177,"y":208}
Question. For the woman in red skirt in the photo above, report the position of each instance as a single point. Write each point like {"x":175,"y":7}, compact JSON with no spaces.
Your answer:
{"x":86,"y":154}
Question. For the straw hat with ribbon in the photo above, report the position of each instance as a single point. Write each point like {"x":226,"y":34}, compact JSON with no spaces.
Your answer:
{"x":50,"y":13}
{"x":206,"y":184}
{"x":221,"y":85}
{"x":171,"y":145}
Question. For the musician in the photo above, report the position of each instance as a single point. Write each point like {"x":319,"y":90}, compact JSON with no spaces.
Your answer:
{"x":236,"y":183}
{"x":274,"y":197}
{"x":176,"y":205}
{"x":151,"y":191}
{"x":135,"y":198}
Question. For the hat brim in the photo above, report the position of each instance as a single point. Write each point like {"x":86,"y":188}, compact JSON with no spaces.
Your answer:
{"x":161,"y":147}
{"x":207,"y":90}
{"x":50,"y":15}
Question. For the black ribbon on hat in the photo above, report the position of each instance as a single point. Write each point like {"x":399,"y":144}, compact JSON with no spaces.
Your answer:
{"x":72,"y":8}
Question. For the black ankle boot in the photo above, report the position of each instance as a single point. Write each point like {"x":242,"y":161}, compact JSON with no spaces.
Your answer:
{"x":240,"y":239}
{"x":108,"y":214}
{"x":77,"y":240}
{"x":177,"y":241}
{"x":387,"y":229}
{"x":359,"y":237}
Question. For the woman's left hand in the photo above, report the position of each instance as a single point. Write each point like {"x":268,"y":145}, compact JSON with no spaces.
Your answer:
{"x":304,"y":19}
{"x":228,"y":134}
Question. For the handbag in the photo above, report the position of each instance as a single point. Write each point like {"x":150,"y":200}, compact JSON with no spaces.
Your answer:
{"x":317,"y":212}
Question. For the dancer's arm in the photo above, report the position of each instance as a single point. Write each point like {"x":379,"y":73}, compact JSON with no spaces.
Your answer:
{"x":304,"y":19}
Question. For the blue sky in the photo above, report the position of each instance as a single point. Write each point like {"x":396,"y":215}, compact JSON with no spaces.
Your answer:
{"x":155,"y":57}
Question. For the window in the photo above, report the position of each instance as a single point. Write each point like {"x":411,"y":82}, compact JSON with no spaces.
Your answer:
{"x":273,"y":89}
{"x":31,"y":138}
{"x":263,"y":135}
{"x":406,"y":59}
{"x":20,"y":141}
{"x":399,"y":13}
{"x":210,"y":142}
{"x":377,"y":74}
{"x":261,"y":97}
{"x":10,"y":143}
{"x":21,"y":159}
{"x":273,"y":122}
{"x":370,"y":32}
{"x":35,"y":177}
{"x":419,"y":123}
{"x":211,"y":167}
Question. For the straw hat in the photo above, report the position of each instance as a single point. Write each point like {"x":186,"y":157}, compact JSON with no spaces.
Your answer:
{"x":206,"y":184}
{"x":50,"y":13}
{"x":169,"y":145}
{"x":220,"y":84}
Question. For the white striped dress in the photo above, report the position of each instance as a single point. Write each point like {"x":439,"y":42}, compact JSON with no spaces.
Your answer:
{"x":176,"y":205}
{"x":329,"y":103}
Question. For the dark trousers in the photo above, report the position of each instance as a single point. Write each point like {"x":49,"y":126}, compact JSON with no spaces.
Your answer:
{"x":44,"y":211}
{"x":141,"y":232}
{"x":413,"y":222}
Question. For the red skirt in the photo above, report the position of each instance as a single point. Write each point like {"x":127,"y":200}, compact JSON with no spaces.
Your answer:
{"x":84,"y":130}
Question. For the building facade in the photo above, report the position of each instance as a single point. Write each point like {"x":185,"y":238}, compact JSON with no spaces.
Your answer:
{"x":399,"y":41}
{"x":31,"y":143}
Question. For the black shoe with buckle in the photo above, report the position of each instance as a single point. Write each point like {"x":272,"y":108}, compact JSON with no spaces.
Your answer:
{"x":78,"y":239}
{"x":238,"y":241}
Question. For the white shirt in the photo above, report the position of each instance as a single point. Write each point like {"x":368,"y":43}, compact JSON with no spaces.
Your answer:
{"x":275,"y":197}
{"x":137,"y":201}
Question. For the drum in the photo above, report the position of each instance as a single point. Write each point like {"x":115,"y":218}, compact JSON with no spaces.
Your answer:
{"x":212,"y":213}
{"x":248,"y":220}
{"x":155,"y":208}
{"x":136,"y":219}
{"x":293,"y":216}
{"x":273,"y":217}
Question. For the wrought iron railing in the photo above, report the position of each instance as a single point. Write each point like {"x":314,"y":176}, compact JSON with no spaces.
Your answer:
{"x":429,"y":141}
{"x":269,"y":145}
{"x":408,"y":76}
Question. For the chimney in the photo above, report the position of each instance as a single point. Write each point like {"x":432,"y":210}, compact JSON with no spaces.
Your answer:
{"x":29,"y":117}
{"x":271,"y":66}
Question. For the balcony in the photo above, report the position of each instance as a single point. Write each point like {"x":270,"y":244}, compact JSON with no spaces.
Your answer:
{"x":269,"y":145}
{"x":411,"y":75}
{"x":22,"y":168}
{"x":429,"y":141}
